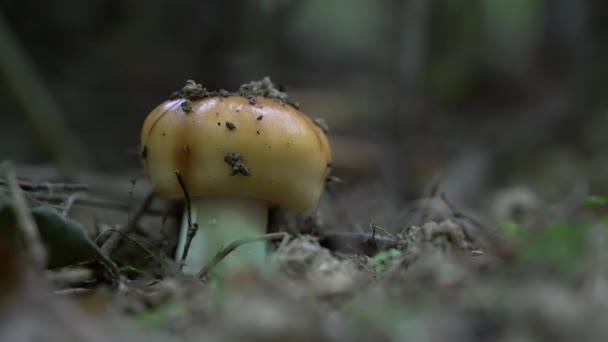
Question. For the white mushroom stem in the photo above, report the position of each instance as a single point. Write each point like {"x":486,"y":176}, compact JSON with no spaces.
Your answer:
{"x":222,"y":220}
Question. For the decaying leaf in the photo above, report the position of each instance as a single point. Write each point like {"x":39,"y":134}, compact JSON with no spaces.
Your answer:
{"x":66,"y":240}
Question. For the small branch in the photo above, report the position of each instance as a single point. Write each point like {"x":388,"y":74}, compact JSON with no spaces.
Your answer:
{"x":135,"y":241}
{"x":426,"y":213}
{"x":500,"y":247}
{"x":78,"y":291}
{"x":69,"y":276}
{"x":140,"y":211}
{"x":50,"y":186}
{"x":225,"y":251}
{"x":110,"y":244}
{"x":25,"y":221}
{"x":456,"y":213}
{"x":361,"y":243}
{"x":70,"y":202}
{"x":91,"y":202}
{"x":192,"y":228}
{"x":377,"y":227}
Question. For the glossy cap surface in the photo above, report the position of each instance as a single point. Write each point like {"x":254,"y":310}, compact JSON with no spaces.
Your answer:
{"x":254,"y":147}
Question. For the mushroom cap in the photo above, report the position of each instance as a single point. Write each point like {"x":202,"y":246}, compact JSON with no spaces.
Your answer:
{"x":283,"y":156}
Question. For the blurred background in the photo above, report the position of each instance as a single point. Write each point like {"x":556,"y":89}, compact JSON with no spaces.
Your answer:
{"x":475,"y":96}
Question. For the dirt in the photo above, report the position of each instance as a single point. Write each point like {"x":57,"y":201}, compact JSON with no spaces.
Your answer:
{"x":441,"y":280}
{"x":238,"y":166}
{"x":193,"y":91}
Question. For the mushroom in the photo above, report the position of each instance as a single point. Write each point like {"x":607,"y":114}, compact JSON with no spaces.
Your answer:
{"x":234,"y":167}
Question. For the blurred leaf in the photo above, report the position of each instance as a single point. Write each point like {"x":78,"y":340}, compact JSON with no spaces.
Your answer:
{"x":8,"y":226}
{"x":382,"y":261}
{"x":452,"y":79}
{"x":155,"y":317}
{"x":65,"y":239}
{"x":595,"y":201}
{"x":355,"y":31}
{"x":514,"y":17}
{"x":511,"y":229}
{"x":131,"y":271}
{"x":561,"y":247}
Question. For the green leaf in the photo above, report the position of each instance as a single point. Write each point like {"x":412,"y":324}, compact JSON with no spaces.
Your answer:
{"x":595,"y":201}
{"x":511,"y":229}
{"x":131,"y":270}
{"x":560,"y":246}
{"x":65,"y":240}
{"x":164,"y":313}
{"x":382,"y":260}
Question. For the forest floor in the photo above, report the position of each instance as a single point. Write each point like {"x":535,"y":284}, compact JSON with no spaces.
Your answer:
{"x":452,"y":279}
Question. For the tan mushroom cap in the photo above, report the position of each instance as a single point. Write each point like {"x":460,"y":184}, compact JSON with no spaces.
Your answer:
{"x":286,"y":153}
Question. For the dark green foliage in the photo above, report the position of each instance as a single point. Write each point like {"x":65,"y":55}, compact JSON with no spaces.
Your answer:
{"x":65,"y":240}
{"x":560,"y":247}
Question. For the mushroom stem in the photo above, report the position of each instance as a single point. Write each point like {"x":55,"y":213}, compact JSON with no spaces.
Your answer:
{"x":222,"y":220}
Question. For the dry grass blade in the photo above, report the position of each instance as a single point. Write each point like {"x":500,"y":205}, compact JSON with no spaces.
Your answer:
{"x":135,"y":241}
{"x":25,"y":221}
{"x":49,"y":186}
{"x":110,"y":244}
{"x":225,"y":251}
{"x":91,"y":202}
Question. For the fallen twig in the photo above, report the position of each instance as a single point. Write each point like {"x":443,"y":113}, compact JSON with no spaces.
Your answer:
{"x":225,"y":251}
{"x":70,"y":202}
{"x":499,"y":247}
{"x":50,"y":186}
{"x":110,"y":244}
{"x":69,"y":276}
{"x":92,"y":202}
{"x":377,"y":227}
{"x":426,"y":211}
{"x":73,"y":291}
{"x":135,"y":241}
{"x":192,"y":228}
{"x":25,"y":221}
{"x":363,"y":243}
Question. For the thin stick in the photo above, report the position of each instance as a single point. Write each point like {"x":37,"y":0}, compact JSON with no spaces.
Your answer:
{"x":359,"y":243}
{"x":500,"y":247}
{"x":92,"y":202}
{"x":50,"y":186}
{"x":225,"y":251}
{"x":110,"y":244}
{"x":73,"y":291}
{"x":192,"y":228}
{"x":375,"y":226}
{"x":432,"y":194}
{"x":25,"y":221}
{"x":456,"y":213}
{"x":135,"y":241}
{"x":140,"y":211}
{"x":69,"y":276}
{"x":70,"y":202}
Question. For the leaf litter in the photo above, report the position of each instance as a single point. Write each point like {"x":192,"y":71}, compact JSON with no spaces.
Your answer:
{"x":437,"y":283}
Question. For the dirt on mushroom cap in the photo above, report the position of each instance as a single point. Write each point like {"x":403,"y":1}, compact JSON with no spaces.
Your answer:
{"x":264,"y":88}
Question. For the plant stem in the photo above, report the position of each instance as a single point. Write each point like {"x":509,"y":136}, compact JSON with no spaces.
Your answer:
{"x":222,"y":220}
